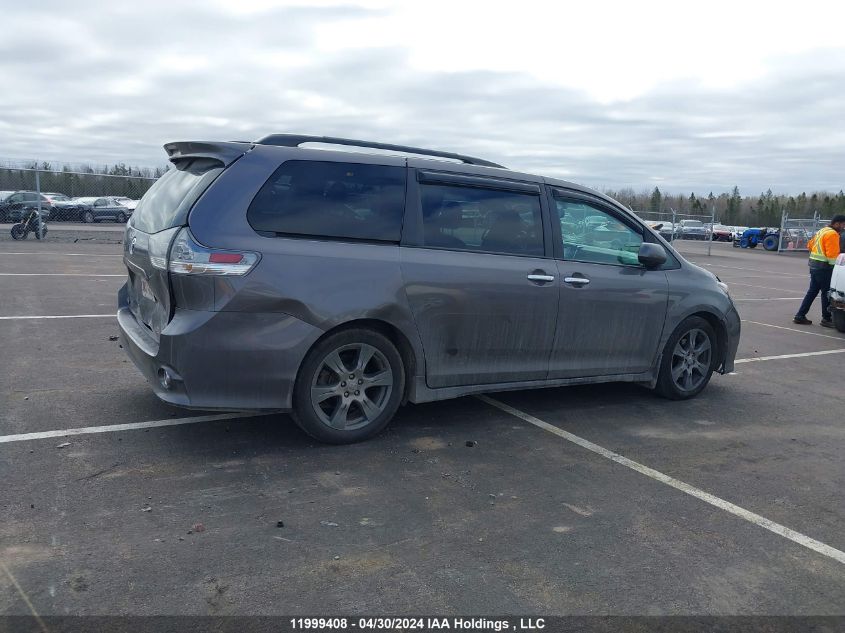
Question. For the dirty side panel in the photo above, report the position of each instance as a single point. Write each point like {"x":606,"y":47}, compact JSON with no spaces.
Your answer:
{"x":480,"y":319}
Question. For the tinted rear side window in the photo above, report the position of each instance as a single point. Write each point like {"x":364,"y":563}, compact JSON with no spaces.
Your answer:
{"x":168,"y":201}
{"x":477,"y":219}
{"x":324,"y":199}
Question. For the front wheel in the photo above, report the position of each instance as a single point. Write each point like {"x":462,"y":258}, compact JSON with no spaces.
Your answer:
{"x":349,"y":387}
{"x":88,"y":217}
{"x":121,"y":218}
{"x":688,"y":361}
{"x":19,"y":232}
{"x":839,"y":320}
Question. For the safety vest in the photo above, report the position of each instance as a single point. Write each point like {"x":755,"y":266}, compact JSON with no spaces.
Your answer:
{"x":817,"y":252}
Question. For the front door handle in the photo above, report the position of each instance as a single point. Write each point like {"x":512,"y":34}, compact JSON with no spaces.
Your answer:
{"x":576,"y":280}
{"x":541,"y":278}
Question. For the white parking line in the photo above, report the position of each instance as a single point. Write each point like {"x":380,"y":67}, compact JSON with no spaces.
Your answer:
{"x":753,"y":270}
{"x":58,"y":275}
{"x":737,"y":283}
{"x":772,"y":299}
{"x":727,"y":506}
{"x":792,"y":329}
{"x":59,"y":316}
{"x":114,"y":428}
{"x":782,"y":356}
{"x":61,"y":254}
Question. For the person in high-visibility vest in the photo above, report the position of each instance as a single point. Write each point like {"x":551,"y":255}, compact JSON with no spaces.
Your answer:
{"x":824,"y":249}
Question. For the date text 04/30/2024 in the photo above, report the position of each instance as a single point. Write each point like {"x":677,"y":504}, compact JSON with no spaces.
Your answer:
{"x":420,"y":624}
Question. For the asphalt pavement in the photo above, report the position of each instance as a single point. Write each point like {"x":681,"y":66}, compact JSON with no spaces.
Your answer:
{"x":540,"y":514}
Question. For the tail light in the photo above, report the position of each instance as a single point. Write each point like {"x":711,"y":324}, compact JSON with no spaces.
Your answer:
{"x":187,"y":257}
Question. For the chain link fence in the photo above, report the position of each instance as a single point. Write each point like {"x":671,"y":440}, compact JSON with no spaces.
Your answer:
{"x":681,"y":226}
{"x":796,"y":232}
{"x":69,"y":196}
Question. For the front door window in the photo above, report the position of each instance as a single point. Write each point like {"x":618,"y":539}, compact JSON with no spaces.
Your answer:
{"x":593,"y":235}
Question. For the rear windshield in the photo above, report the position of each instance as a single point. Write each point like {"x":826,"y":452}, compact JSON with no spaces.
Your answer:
{"x":335,"y":200}
{"x":168,"y":201}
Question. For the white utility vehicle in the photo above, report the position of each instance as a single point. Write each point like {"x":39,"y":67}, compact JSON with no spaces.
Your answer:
{"x":837,"y":294}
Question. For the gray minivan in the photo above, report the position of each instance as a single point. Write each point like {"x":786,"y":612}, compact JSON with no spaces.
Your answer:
{"x":339,"y":284}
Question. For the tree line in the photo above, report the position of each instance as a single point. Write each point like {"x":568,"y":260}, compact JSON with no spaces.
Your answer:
{"x":730,"y":208}
{"x":81,"y":180}
{"x":733,"y":208}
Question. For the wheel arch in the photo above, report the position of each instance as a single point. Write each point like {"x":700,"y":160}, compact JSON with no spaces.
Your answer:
{"x":410,"y":357}
{"x":721,"y":331}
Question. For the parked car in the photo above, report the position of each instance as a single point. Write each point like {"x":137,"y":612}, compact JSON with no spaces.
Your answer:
{"x":339,"y":285}
{"x":63,"y":207}
{"x":737,"y":232}
{"x":18,"y":204}
{"x":692,"y":230}
{"x":129,"y":203}
{"x":92,"y":209}
{"x":665,"y":228}
{"x":722,"y":233}
{"x":837,"y":294}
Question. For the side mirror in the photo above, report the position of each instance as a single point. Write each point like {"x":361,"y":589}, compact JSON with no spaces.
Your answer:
{"x":651,"y":256}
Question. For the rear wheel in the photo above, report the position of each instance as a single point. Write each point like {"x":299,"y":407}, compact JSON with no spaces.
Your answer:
{"x":121,"y":218}
{"x":349,"y":387}
{"x":839,"y":320}
{"x":688,"y":360}
{"x":770,"y":242}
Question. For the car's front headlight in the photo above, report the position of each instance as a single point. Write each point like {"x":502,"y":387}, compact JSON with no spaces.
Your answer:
{"x":723,"y":286}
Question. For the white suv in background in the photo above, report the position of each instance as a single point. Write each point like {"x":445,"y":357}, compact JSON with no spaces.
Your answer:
{"x":837,"y":294}
{"x":692,"y":230}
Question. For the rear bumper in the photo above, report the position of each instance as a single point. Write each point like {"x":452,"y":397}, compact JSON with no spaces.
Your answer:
{"x":220,"y":360}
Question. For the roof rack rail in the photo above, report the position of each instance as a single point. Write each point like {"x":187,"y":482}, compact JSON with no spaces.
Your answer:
{"x":294,"y":140}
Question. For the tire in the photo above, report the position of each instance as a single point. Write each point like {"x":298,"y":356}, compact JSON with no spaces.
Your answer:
{"x":770,"y":242}
{"x":18,"y":232}
{"x":121,"y":218}
{"x":344,"y":414}
{"x":672,"y":381}
{"x":839,"y":320}
{"x":88,"y":217}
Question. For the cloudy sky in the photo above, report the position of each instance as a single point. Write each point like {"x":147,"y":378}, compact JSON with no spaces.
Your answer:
{"x":609,"y":94}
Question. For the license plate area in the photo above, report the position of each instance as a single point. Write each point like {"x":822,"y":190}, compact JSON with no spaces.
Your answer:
{"x":142,"y":299}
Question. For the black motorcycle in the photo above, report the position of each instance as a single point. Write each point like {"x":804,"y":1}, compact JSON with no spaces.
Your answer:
{"x":31,"y":224}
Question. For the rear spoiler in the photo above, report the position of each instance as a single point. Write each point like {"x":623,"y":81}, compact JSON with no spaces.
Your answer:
{"x":225,"y":153}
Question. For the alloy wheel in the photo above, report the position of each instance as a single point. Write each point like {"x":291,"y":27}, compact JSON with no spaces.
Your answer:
{"x":351,"y":387}
{"x":691,"y":360}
